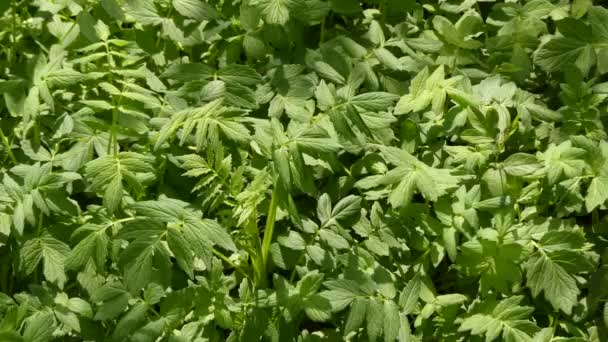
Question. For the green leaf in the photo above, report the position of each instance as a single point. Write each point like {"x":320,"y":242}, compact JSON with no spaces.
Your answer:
{"x":374,"y":101}
{"x":456,"y":150}
{"x":341,"y":293}
{"x":496,"y":263}
{"x":597,"y":193}
{"x":51,"y":252}
{"x":580,"y":7}
{"x":356,"y":315}
{"x":520,"y":164}
{"x":181,"y":250}
{"x":317,"y":308}
{"x":375,"y":319}
{"x":206,"y":231}
{"x":241,"y":74}
{"x":275,"y":11}
{"x":410,"y":294}
{"x":551,"y":269}
{"x":39,"y":327}
{"x":108,"y":173}
{"x":114,"y":301}
{"x":597,"y":19}
{"x":194,"y":9}
{"x":392,"y":321}
{"x":333,"y":239}
{"x":506,"y":317}
{"x":451,"y":299}
{"x":292,"y":241}
{"x":143,"y":11}
{"x":130,"y":321}
{"x":93,"y":246}
{"x":209,"y":121}
{"x":411,"y":175}
{"x":558,"y":52}
{"x":139,"y":267}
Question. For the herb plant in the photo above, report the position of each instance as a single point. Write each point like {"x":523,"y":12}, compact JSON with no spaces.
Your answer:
{"x":303,"y":170}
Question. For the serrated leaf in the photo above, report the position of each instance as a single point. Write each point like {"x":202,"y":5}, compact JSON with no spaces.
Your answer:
{"x":195,"y":9}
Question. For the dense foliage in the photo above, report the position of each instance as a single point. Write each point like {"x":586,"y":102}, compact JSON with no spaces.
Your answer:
{"x":303,"y":170}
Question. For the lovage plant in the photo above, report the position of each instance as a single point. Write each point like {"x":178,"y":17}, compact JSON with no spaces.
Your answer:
{"x":303,"y":170}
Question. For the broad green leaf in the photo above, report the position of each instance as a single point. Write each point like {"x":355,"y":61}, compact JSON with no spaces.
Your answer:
{"x":552,"y":268}
{"x":113,"y":300}
{"x":39,"y":327}
{"x":356,"y":315}
{"x":317,"y":308}
{"x":144,"y":11}
{"x":506,"y":317}
{"x":410,"y":294}
{"x":108,"y":173}
{"x":198,"y":10}
{"x":130,"y":321}
{"x":51,"y":252}
{"x":597,"y":193}
{"x":374,"y":101}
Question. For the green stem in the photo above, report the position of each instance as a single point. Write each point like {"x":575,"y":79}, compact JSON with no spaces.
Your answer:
{"x":381,"y":9}
{"x":229,"y":262}
{"x":322,"y":36}
{"x":4,"y":275}
{"x":13,"y":36}
{"x":40,"y":229}
{"x":37,"y":132}
{"x":114,"y":130}
{"x":7,"y":147}
{"x":268,"y":232}
{"x":152,"y":310}
{"x":256,"y":259}
{"x":555,"y":323}
{"x":113,"y":143}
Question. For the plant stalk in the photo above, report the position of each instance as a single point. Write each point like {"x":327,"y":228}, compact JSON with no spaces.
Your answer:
{"x":229,"y":262}
{"x":268,"y":232}
{"x":322,"y":35}
{"x":7,"y":147}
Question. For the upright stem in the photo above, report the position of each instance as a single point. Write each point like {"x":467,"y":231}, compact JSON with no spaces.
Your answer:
{"x":381,"y":9}
{"x":114,"y":139}
{"x":322,"y":36}
{"x":268,"y":232}
{"x":13,"y":50}
{"x":39,"y":229}
{"x":256,"y":250}
{"x":37,"y":132}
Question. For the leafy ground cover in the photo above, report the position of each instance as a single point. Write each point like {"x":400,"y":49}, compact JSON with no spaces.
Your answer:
{"x":303,"y":170}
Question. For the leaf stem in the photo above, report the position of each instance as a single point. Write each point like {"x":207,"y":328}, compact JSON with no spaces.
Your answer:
{"x":13,"y":37}
{"x":152,"y":310}
{"x":113,"y":141}
{"x":256,"y":259}
{"x":229,"y":262}
{"x":39,"y":228}
{"x":322,"y":35}
{"x":7,"y":147}
{"x":113,"y":144}
{"x":268,"y":232}
{"x":382,"y":11}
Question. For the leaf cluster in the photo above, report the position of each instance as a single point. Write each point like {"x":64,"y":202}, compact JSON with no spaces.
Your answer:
{"x":303,"y":170}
